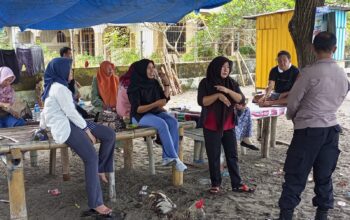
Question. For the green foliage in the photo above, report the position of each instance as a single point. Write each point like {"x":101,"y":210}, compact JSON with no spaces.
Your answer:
{"x":48,"y":54}
{"x":247,"y":51}
{"x":117,"y":37}
{"x":200,"y":47}
{"x":233,"y":12}
{"x":125,"y":56}
{"x":94,"y":61}
{"x":156,"y":57}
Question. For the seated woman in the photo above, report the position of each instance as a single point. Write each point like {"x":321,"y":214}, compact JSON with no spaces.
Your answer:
{"x":67,"y":126}
{"x":147,"y":100}
{"x":244,"y":127}
{"x":7,"y":98}
{"x":218,"y":94}
{"x":104,"y":88}
{"x":123,"y":103}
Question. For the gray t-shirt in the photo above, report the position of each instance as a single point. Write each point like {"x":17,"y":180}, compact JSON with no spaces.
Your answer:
{"x":317,"y":95}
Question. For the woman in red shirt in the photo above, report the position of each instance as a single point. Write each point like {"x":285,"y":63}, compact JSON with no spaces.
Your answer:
{"x":217,"y":94}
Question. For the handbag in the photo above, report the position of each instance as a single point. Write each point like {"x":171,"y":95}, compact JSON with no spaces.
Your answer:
{"x":20,"y":109}
{"x":111,"y":119}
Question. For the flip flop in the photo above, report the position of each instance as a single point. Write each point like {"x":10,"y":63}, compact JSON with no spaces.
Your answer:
{"x":249,"y":146}
{"x":214,"y":190}
{"x":97,"y":215}
{"x":243,"y":188}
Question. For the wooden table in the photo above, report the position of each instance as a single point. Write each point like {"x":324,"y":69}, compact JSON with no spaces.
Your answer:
{"x":14,"y":159}
{"x":267,"y":123}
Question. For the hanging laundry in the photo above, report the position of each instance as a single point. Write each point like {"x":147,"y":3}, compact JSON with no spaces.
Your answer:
{"x":38,"y":59}
{"x":8,"y":58}
{"x":25,"y":58}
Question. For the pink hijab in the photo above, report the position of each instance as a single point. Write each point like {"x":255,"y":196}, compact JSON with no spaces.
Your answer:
{"x":7,"y":94}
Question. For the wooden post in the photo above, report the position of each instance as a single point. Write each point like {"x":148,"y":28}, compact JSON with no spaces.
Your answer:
{"x":273,"y":132}
{"x":150,"y":155}
{"x":33,"y":158}
{"x":259,"y":130}
{"x":15,"y":180}
{"x":240,"y":69}
{"x":197,"y":151}
{"x":111,"y":185}
{"x":177,"y":175}
{"x":243,"y":150}
{"x":52,"y":166}
{"x":265,"y":138}
{"x":249,"y":74}
{"x":65,"y":163}
{"x":201,"y":155}
{"x":128,"y":154}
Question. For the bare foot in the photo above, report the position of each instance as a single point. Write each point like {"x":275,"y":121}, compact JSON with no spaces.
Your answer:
{"x":102,"y":209}
{"x":103,"y":177}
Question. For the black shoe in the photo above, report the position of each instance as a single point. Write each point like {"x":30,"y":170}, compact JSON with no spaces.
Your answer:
{"x":321,"y":214}
{"x":250,"y":146}
{"x":286,"y":214}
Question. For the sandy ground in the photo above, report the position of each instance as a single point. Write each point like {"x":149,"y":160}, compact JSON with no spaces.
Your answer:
{"x":264,"y":173}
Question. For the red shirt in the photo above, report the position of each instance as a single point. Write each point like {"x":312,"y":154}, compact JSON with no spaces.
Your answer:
{"x":210,"y":122}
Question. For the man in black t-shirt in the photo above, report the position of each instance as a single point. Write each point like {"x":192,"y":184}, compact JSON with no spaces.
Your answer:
{"x":281,"y":81}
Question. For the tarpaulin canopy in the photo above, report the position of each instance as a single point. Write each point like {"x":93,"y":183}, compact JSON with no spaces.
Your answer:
{"x":66,"y":14}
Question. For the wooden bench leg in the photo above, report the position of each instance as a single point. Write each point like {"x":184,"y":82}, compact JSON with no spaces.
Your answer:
{"x":128,"y":154}
{"x":243,"y":150}
{"x":177,"y":175}
{"x":111,"y":187}
{"x":201,"y":154}
{"x":65,"y":163}
{"x":150,"y":155}
{"x":52,"y":169}
{"x":259,"y":129}
{"x":34,"y":158}
{"x":273,"y":132}
{"x":197,"y":151}
{"x":265,"y":138}
{"x":15,"y":180}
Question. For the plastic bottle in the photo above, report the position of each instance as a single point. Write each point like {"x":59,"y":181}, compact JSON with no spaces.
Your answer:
{"x":36,"y":115}
{"x":81,"y":103}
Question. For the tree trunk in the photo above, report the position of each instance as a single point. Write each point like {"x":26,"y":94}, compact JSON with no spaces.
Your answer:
{"x":301,"y":28}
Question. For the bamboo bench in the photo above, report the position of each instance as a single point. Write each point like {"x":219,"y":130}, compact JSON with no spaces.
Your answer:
{"x":14,"y":159}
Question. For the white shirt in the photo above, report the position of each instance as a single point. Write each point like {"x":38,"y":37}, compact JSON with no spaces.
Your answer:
{"x":58,"y":110}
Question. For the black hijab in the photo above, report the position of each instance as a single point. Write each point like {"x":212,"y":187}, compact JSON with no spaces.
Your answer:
{"x":139,"y":78}
{"x":214,"y":79}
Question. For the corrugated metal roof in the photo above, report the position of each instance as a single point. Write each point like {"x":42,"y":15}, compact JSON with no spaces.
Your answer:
{"x":268,"y":13}
{"x":253,"y":17}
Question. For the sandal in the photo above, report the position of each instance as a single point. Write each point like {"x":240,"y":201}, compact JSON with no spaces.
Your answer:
{"x":94,"y":213}
{"x":214,"y":190}
{"x":243,"y":188}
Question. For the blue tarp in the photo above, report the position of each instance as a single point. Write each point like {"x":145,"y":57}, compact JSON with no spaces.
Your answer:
{"x":66,"y":14}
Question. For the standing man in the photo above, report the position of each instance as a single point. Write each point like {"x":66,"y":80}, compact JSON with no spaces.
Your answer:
{"x":312,"y":105}
{"x":66,"y":52}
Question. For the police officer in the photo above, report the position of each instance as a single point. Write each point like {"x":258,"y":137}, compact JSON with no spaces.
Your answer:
{"x":312,"y":105}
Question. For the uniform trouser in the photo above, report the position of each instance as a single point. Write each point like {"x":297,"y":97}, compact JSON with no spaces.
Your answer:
{"x":311,"y":148}
{"x":103,"y":163}
{"x":213,"y":141}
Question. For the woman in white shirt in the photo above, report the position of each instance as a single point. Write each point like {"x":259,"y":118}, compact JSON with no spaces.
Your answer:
{"x":68,"y":126}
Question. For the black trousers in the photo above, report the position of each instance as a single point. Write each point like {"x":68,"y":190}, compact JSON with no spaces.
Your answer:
{"x":311,"y":148}
{"x":213,"y":141}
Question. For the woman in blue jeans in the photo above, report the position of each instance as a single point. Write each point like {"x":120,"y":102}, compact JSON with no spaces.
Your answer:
{"x":147,"y":100}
